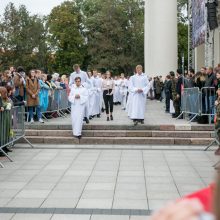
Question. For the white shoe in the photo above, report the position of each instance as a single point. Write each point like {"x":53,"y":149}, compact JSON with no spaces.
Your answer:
{"x":32,"y":121}
{"x":41,"y":121}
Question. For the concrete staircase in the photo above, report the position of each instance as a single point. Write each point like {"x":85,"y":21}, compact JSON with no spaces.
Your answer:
{"x":122,"y":134}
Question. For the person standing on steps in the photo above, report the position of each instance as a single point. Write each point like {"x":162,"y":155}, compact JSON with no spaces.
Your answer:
{"x":108,"y":87}
{"x":123,"y":90}
{"x":84,"y":81}
{"x":78,"y":98}
{"x":139,"y":87}
{"x":97,"y":90}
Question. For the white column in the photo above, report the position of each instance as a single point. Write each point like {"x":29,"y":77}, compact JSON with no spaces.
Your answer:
{"x":160,"y":37}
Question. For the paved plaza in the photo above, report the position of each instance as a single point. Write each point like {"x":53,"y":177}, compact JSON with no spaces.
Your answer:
{"x":111,"y":183}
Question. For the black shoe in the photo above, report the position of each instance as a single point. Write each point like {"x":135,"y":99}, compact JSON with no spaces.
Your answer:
{"x":108,"y":119}
{"x":79,"y":137}
{"x":174,"y":116}
{"x":87,"y":120}
{"x":135,"y":122}
{"x":7,"y":149}
{"x":98,"y":116}
{"x":181,"y":117}
{"x":90,"y":117}
{"x":142,"y":122}
{"x":103,"y":109}
{"x":111,"y":118}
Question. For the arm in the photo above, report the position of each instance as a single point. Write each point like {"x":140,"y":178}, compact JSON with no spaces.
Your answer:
{"x":71,"y":81}
{"x":146,"y":89}
{"x":113,"y":87}
{"x":71,"y":97}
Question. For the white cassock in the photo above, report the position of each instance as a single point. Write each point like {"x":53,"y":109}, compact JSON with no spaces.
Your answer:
{"x":129,"y":101}
{"x":117,"y":95}
{"x":78,"y":108}
{"x":88,"y":86}
{"x":139,"y":99}
{"x":97,"y":90}
{"x":83,"y":75}
{"x":123,"y":91}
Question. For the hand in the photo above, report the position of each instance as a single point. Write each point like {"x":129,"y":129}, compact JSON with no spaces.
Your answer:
{"x":33,"y":96}
{"x":216,"y":103}
{"x":177,"y":96}
{"x":182,"y":210}
{"x":77,"y":96}
{"x":140,"y":90}
{"x":2,"y":109}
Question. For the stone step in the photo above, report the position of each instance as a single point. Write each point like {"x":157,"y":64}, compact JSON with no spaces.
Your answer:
{"x":118,"y":140}
{"x":122,"y":133}
{"x":186,"y":127}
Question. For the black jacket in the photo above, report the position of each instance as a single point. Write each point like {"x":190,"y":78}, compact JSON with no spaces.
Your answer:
{"x":179,"y":85}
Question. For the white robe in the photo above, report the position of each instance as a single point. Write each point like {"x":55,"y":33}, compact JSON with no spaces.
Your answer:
{"x":88,"y":86}
{"x":117,"y":95}
{"x":129,"y":101}
{"x":123,"y":91}
{"x":83,"y":75}
{"x":78,"y":108}
{"x":139,"y":99}
{"x":97,"y":93}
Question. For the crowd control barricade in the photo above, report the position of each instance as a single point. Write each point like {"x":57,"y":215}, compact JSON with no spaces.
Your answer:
{"x":191,"y":102}
{"x":208,"y":97}
{"x":12,"y":128}
{"x":57,"y":103}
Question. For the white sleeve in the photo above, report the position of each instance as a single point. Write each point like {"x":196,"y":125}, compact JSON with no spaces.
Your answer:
{"x":84,"y":96}
{"x":71,"y":97}
{"x":147,"y":87}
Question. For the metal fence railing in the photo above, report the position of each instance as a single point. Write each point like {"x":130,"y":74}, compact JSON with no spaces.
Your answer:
{"x":12,"y":128}
{"x":57,"y":102}
{"x":198,"y":102}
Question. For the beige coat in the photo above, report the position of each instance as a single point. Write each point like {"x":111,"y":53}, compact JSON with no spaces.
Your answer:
{"x":19,"y":84}
{"x":32,"y":88}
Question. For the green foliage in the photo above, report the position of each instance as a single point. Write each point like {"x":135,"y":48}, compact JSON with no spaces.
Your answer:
{"x":99,"y":34}
{"x":22,"y":38}
{"x":67,"y":42}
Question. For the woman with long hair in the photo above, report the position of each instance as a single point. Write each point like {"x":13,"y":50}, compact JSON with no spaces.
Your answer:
{"x":108,"y":87}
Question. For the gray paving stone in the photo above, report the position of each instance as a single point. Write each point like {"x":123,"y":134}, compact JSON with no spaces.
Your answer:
{"x":32,"y":217}
{"x":4,"y":216}
{"x":70,"y":217}
{"x":59,"y":203}
{"x":130,"y":204}
{"x":107,"y":217}
{"x":95,"y":203}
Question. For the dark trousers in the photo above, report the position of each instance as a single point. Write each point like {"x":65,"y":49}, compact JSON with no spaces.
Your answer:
{"x":168,"y":97}
{"x":108,"y":99}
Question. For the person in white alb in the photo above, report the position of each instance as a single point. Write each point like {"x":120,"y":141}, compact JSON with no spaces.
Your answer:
{"x":84,"y":82}
{"x":123,"y":90}
{"x":139,"y":87}
{"x":117,"y":95}
{"x":97,"y":90}
{"x":78,"y":98}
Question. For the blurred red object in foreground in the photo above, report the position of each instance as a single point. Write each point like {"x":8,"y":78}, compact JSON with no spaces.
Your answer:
{"x":205,"y":196}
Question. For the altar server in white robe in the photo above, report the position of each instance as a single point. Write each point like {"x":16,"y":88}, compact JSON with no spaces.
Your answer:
{"x":78,"y":73}
{"x":78,"y":98}
{"x":117,"y":94}
{"x":139,"y":88}
{"x":123,"y":90}
{"x":97,"y":89}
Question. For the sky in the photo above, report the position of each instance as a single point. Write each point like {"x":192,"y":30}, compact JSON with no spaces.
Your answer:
{"x":42,"y":7}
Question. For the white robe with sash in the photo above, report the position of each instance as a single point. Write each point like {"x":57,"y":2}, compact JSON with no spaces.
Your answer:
{"x":138,"y":105}
{"x":78,"y":107}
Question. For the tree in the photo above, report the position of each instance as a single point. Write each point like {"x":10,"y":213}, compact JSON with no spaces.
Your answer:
{"x":67,"y":42}
{"x":114,"y":30}
{"x":21,"y":38}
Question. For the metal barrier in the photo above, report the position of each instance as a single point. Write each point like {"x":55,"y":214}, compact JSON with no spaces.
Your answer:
{"x":57,"y":103}
{"x":198,"y":102}
{"x":12,"y":128}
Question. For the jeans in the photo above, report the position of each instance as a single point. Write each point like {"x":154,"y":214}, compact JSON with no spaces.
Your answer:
{"x":108,"y":99}
{"x":31,"y":110}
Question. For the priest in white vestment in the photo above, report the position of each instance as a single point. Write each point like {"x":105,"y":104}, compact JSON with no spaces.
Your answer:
{"x":78,"y":98}
{"x":139,"y":87}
